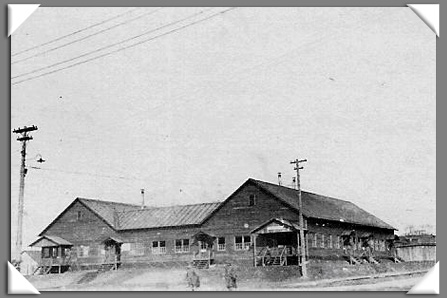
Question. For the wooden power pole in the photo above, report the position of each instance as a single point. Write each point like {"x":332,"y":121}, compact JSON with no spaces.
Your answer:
{"x":23,"y":137}
{"x":301,"y":219}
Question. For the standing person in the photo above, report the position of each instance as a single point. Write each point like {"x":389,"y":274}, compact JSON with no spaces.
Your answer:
{"x":370,"y":248}
{"x":393,"y":251}
{"x":268,"y":256}
{"x":230,"y":277}
{"x":192,"y":278}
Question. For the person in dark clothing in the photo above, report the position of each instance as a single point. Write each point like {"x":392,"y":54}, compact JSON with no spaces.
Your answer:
{"x":230,"y":277}
{"x":192,"y":278}
{"x":268,"y":256}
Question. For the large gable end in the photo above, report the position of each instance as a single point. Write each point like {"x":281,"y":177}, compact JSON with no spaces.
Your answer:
{"x":103,"y":210}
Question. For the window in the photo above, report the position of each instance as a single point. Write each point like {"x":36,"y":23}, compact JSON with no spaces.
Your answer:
{"x":136,"y":249}
{"x":46,"y":252}
{"x":181,"y":245}
{"x":322,"y":241}
{"x":158,"y":247}
{"x":53,"y":252}
{"x":83,"y":251}
{"x":242,"y":242}
{"x":101,"y":249}
{"x":314,"y":244}
{"x":203,"y":246}
{"x":251,"y":200}
{"x":94,"y":251}
{"x":221,"y":243}
{"x":329,"y":242}
{"x":80,"y":215}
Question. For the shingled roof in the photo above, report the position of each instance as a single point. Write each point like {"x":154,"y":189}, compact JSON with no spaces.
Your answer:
{"x":322,"y":207}
{"x":134,"y":217}
{"x":165,"y":216}
{"x":106,"y":209}
{"x":131,"y":216}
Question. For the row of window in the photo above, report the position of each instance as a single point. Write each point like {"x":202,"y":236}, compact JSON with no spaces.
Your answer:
{"x":318,"y":240}
{"x":159,"y":247}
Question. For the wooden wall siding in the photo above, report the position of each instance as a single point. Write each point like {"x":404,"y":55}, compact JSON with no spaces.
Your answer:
{"x":417,"y":252}
{"x":146,"y":237}
{"x":236,"y":217}
{"x":88,"y":230}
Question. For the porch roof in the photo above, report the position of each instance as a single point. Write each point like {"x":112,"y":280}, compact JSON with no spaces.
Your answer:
{"x":277,"y":225}
{"x":50,"y":241}
{"x":111,"y":238}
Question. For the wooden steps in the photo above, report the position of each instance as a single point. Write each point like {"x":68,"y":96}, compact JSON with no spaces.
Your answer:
{"x":373,"y":261}
{"x":355,"y":260}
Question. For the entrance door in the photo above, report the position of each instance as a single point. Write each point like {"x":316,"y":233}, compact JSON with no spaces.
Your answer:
{"x":112,"y":251}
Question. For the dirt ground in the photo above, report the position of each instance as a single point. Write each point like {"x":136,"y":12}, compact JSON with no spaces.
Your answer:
{"x":249,"y":279}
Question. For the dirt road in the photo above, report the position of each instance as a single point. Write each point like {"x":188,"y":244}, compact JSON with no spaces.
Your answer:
{"x":402,"y":283}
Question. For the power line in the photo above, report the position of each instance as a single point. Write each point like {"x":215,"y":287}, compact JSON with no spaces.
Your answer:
{"x":73,"y":33}
{"x":88,"y":36}
{"x":120,"y":49}
{"x":87,"y":174}
{"x":103,"y":176}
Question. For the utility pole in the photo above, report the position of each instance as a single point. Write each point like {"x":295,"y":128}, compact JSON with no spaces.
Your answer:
{"x":300,"y":214}
{"x":142,"y":196}
{"x":23,"y":137}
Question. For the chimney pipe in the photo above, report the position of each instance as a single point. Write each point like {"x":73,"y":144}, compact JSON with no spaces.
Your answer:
{"x":279,"y":178}
{"x":142,"y":196}
{"x":116,"y":222}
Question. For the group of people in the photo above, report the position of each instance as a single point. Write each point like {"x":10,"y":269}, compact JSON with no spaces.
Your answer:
{"x":193,"y":279}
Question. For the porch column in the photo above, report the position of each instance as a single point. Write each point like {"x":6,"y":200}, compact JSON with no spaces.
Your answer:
{"x":307,"y":246}
{"x":254,"y":248}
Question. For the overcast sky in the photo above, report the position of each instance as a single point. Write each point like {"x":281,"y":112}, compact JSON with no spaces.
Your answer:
{"x":190,"y":115}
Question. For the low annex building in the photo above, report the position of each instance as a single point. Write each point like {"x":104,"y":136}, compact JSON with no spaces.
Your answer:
{"x":256,"y":225}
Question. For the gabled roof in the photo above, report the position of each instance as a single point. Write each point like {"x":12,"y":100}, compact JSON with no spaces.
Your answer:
{"x":292,"y":225}
{"x":106,"y":209}
{"x":322,"y":207}
{"x":103,"y":209}
{"x":160,"y":217}
{"x":130,"y":216}
{"x":53,"y":240}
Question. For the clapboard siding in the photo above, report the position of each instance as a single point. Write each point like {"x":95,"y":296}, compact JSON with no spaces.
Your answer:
{"x":236,"y":217}
{"x":233,"y":217}
{"x":89,"y":229}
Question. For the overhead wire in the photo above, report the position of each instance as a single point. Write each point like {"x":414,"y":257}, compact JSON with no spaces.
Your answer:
{"x":120,"y":49}
{"x":112,"y":45}
{"x":88,"y":36}
{"x":74,"y":33}
{"x":86,"y":174}
{"x":122,"y":177}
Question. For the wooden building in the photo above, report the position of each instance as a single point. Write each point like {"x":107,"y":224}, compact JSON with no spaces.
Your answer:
{"x":257,"y":225}
{"x":31,"y":260}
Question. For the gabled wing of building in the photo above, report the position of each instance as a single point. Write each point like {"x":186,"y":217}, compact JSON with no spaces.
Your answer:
{"x":107,"y":210}
{"x":103,"y":209}
{"x":121,"y":216}
{"x":323,"y":207}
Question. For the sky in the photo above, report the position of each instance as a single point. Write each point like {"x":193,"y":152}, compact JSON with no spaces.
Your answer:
{"x":188,"y":103}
